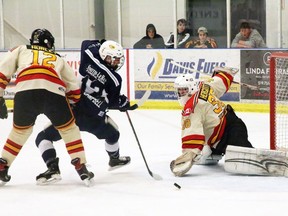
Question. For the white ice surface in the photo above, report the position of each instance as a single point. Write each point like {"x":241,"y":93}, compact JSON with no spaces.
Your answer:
{"x":130,"y":191}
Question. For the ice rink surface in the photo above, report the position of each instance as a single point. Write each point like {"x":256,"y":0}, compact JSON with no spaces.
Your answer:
{"x":130,"y":191}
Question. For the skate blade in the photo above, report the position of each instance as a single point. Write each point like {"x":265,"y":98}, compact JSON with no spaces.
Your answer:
{"x":89,"y":182}
{"x":117,"y":167}
{"x":52,"y":180}
{"x":2,"y":183}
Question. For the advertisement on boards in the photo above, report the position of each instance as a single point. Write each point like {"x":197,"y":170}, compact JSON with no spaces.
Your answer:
{"x":156,"y":70}
{"x":255,"y":70}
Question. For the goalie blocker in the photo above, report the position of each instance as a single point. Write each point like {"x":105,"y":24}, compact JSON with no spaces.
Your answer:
{"x":252,"y":161}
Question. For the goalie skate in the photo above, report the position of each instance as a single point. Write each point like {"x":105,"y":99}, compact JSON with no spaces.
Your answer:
{"x":207,"y":157}
{"x":211,"y":160}
{"x":116,"y":163}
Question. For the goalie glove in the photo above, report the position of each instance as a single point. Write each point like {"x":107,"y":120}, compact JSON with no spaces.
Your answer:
{"x":229,"y":70}
{"x":184,"y":162}
{"x":3,"y":109}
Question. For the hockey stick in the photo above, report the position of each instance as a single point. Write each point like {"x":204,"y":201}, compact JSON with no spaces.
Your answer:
{"x":141,"y":101}
{"x":138,"y":104}
{"x":201,"y":72}
{"x":153,"y":175}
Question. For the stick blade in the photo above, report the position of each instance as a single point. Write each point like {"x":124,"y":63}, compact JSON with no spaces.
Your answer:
{"x":144,"y":98}
{"x":155,"y":176}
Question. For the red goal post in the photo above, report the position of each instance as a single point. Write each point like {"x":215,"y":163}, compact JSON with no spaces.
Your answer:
{"x":279,"y":101}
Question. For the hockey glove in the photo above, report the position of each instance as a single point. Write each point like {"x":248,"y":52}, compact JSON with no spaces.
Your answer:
{"x":3,"y":109}
{"x":124,"y":103}
{"x":229,"y":70}
{"x":184,"y":162}
{"x":102,"y":41}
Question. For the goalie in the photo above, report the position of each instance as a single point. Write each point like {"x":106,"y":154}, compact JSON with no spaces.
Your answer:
{"x":206,"y":120}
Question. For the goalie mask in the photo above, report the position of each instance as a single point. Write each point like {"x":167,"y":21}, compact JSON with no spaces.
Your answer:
{"x":42,"y":37}
{"x":112,"y":53}
{"x":185,"y":86}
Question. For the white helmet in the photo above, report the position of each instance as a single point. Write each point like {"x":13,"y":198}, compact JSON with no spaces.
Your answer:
{"x":185,"y":86}
{"x":115,"y":51}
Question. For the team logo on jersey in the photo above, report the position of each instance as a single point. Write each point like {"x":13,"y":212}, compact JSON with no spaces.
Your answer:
{"x":97,"y":75}
{"x":186,"y":123}
{"x":186,"y":112}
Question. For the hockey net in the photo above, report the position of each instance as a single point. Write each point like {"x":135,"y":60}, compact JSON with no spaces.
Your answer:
{"x":279,"y":101}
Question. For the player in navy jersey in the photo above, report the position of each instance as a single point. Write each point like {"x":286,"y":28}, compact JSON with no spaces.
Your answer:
{"x":100,"y":91}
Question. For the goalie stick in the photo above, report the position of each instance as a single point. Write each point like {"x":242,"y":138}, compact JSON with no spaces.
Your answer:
{"x":201,"y":72}
{"x":140,"y":102}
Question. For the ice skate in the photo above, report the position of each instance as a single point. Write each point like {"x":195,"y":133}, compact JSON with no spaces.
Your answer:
{"x":4,"y":177}
{"x":115,"y":163}
{"x":52,"y":175}
{"x":85,"y":175}
{"x":210,"y":160}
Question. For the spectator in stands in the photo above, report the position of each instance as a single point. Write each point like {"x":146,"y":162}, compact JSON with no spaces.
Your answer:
{"x":151,"y":40}
{"x":203,"y":40}
{"x":183,"y":34}
{"x":248,"y":38}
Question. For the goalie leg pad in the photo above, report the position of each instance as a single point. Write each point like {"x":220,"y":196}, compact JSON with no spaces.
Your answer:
{"x":250,"y":161}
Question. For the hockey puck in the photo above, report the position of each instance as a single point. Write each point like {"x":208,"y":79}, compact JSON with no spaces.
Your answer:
{"x":177,"y":186}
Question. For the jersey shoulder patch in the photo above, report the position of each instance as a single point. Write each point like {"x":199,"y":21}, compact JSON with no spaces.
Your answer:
{"x":204,"y":92}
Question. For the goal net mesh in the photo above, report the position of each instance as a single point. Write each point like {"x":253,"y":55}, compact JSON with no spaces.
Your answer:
{"x":279,"y":101}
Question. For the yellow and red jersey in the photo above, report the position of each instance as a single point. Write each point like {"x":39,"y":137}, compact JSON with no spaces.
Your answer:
{"x":203,"y":117}
{"x":36,"y":67}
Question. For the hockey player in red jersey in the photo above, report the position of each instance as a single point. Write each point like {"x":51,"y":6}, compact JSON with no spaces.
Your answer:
{"x":206,"y":120}
{"x":44,"y":84}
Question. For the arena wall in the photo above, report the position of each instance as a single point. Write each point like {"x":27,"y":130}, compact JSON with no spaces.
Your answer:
{"x":156,"y":70}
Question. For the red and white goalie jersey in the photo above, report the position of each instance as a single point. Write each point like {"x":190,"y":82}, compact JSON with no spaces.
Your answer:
{"x":203,"y":116}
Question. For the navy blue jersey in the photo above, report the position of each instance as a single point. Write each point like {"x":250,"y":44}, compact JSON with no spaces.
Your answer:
{"x":101,"y":85}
